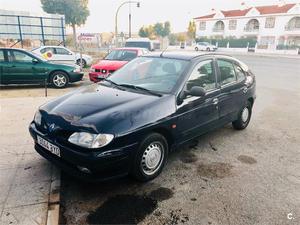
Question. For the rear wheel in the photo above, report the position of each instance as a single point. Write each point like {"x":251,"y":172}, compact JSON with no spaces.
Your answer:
{"x":243,"y":118}
{"x":150,"y":158}
{"x":59,"y":79}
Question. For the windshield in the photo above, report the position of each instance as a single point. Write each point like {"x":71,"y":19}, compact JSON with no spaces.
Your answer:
{"x":121,"y":55}
{"x":153,"y":73}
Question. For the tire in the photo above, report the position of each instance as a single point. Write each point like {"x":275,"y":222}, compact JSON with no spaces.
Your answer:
{"x":243,"y":117}
{"x":59,"y":79}
{"x":83,"y":63}
{"x":147,"y":165}
{"x":208,"y":49}
{"x":196,"y":49}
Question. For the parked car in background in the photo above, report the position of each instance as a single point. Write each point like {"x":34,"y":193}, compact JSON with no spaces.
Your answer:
{"x":60,"y":54}
{"x":130,"y":122}
{"x":140,"y":43}
{"x":19,"y":66}
{"x":205,"y":46}
{"x":113,"y":61}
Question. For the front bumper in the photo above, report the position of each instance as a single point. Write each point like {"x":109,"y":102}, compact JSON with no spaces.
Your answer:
{"x":101,"y":166}
{"x":95,"y":75}
{"x":74,"y":77}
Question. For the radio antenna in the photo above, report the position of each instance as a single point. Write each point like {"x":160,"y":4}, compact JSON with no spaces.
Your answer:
{"x":161,"y":54}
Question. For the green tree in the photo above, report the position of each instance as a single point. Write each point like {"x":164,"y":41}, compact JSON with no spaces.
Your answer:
{"x":75,"y":12}
{"x":191,"y":30}
{"x":146,"y":31}
{"x":167,"y":29}
{"x":162,"y":29}
{"x":158,"y":29}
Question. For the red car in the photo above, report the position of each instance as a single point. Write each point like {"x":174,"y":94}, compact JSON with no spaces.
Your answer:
{"x":113,"y":61}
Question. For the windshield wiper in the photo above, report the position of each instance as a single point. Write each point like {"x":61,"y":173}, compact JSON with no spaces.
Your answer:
{"x":140,"y":89}
{"x":109,"y":81}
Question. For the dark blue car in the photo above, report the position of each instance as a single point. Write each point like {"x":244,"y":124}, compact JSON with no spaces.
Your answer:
{"x":129,"y":122}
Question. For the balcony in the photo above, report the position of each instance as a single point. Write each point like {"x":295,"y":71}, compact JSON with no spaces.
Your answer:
{"x":218,"y":30}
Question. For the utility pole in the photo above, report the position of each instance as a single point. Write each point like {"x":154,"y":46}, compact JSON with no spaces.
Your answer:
{"x":116,"y":19}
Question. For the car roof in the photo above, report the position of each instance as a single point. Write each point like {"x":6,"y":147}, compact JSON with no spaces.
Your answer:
{"x":184,"y":55}
{"x":130,"y":48}
{"x":8,"y":48}
{"x":51,"y":46}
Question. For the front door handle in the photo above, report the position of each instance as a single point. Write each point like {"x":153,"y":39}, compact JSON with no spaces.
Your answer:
{"x":215,"y":101}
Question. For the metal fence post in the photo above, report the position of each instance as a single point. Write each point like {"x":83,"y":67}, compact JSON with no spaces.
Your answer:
{"x":20,"y":31}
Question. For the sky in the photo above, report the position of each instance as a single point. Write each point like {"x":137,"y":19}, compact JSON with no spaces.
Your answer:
{"x":178,"y":12}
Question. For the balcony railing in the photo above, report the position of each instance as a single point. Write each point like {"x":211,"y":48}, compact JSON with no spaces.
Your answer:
{"x":218,"y":29}
{"x":251,"y":29}
{"x":292,"y":28}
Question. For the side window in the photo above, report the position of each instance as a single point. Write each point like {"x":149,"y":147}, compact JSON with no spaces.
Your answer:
{"x":47,"y":50}
{"x":226,"y":71}
{"x":19,"y":56}
{"x":240,"y":75}
{"x":62,"y":51}
{"x":1,"y":56}
{"x":203,"y":75}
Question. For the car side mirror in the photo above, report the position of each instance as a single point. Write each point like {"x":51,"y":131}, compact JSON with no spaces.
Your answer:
{"x":196,"y":91}
{"x":35,"y":61}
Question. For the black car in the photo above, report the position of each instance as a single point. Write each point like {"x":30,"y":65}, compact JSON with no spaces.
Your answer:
{"x":129,"y":122}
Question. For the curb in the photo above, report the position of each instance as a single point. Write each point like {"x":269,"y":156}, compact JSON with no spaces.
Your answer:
{"x":54,"y":198}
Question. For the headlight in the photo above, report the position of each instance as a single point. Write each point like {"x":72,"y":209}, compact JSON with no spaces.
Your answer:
{"x":89,"y":140}
{"x":77,"y":69}
{"x":38,"y":118}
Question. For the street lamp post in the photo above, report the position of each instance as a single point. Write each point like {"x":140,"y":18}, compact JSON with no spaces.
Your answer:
{"x":116,"y":19}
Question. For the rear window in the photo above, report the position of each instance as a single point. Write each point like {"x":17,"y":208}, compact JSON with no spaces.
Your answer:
{"x":138,"y":44}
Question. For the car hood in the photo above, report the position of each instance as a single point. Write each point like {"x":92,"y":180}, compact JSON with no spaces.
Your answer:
{"x":102,"y":109}
{"x":109,"y":64}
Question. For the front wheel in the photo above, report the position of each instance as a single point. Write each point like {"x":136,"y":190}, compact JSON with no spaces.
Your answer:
{"x":78,"y":62}
{"x":150,"y":158}
{"x":59,"y":79}
{"x":243,"y":118}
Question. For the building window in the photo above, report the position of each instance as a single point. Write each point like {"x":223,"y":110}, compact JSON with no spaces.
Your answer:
{"x":202,"y":25}
{"x":270,"y":22}
{"x":232,"y":24}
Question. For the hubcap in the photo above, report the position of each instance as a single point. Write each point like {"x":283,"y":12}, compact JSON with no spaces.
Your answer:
{"x":245,"y":114}
{"x":59,"y":80}
{"x":152,"y":158}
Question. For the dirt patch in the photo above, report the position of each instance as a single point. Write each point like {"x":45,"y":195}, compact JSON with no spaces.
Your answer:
{"x":123,"y":209}
{"x":161,"y":194}
{"x":214,"y":170}
{"x":188,"y":157}
{"x":246,"y":159}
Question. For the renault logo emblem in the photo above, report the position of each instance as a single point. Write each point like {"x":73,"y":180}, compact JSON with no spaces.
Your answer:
{"x":51,"y":127}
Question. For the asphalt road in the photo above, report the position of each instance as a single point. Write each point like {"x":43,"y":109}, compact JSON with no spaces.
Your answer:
{"x":224,"y":177}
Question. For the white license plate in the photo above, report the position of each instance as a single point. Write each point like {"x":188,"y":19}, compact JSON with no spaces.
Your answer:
{"x":47,"y":145}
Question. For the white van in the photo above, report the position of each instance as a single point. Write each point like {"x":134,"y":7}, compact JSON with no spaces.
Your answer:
{"x":140,"y":43}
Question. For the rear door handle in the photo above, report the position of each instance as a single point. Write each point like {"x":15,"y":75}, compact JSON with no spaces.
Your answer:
{"x":215,"y":101}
